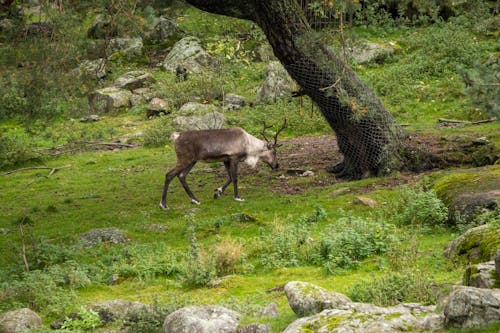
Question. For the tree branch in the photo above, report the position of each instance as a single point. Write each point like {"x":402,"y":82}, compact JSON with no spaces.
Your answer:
{"x":233,"y":8}
{"x":52,"y":170}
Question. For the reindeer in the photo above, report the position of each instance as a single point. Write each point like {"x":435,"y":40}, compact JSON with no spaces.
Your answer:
{"x":231,"y":146}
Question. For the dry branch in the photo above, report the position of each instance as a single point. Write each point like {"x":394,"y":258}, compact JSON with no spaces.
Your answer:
{"x":52,"y":170}
{"x":466,"y":122}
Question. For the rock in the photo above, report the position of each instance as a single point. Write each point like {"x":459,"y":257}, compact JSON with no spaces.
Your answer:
{"x":157,"y":106}
{"x":118,"y":310}
{"x":242,"y":217}
{"x":188,"y":53}
{"x":164,"y":30}
{"x":90,"y":119}
{"x":365,"y":52}
{"x":271,"y":310}
{"x":136,"y":100}
{"x":305,"y":298}
{"x":480,"y":275}
{"x":98,"y":236}
{"x":255,"y":328}
{"x":362,"y":317}
{"x":107,"y":99}
{"x":278,"y":84}
{"x":497,"y":265}
{"x":146,"y":93}
{"x":19,"y":320}
{"x":134,"y":80}
{"x":476,"y":245}
{"x":130,"y":48}
{"x":202,"y":319}
{"x":212,"y":120}
{"x":365,"y":201}
{"x":467,"y":206}
{"x":100,"y":28}
{"x":472,"y":307}
{"x":95,"y":69}
{"x":234,"y":102}
{"x":196,"y":108}
{"x":307,"y":173}
{"x":265,"y":53}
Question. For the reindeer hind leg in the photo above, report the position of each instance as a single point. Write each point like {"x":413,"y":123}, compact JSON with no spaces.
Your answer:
{"x":182,"y":178}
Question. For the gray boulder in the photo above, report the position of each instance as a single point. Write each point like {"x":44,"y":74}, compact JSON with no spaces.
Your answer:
{"x":130,"y":48}
{"x":134,"y":80}
{"x":93,"y":68}
{"x":365,"y":52}
{"x":19,"y":320}
{"x":361,"y":317}
{"x":305,"y":298}
{"x":119,"y":310}
{"x":202,"y":319}
{"x":157,"y":106}
{"x":191,"y":108}
{"x":278,"y":84}
{"x":270,"y":310}
{"x":255,"y":328}
{"x":212,"y":120}
{"x":98,"y":236}
{"x":472,"y":307}
{"x":188,"y":53}
{"x":164,"y":29}
{"x":476,"y":245}
{"x":146,"y":93}
{"x":234,"y":102}
{"x":107,"y":99}
{"x":480,"y":275}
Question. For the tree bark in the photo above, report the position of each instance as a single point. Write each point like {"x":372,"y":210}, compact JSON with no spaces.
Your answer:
{"x":367,"y":135}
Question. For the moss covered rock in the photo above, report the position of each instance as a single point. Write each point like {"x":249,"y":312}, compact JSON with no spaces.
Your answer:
{"x":476,"y":245}
{"x":469,"y":194}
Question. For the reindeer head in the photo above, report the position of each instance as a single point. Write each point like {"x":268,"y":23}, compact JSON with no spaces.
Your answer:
{"x":269,"y":155}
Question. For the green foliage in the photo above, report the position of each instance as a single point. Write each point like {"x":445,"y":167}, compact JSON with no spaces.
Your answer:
{"x":351,"y":239}
{"x":16,"y":147}
{"x":393,"y":288}
{"x":419,"y":207}
{"x":85,"y":320}
{"x":158,"y":132}
{"x":38,"y":290}
{"x":482,"y":86}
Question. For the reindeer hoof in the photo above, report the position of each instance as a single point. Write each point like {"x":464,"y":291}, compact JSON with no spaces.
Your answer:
{"x":239,"y":199}
{"x":163,"y":206}
{"x":217,"y":193}
{"x":194,"y":201}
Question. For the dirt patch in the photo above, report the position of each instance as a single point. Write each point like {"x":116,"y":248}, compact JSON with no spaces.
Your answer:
{"x":300,"y":156}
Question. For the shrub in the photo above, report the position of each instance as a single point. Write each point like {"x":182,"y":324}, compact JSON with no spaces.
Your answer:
{"x":15,"y":148}
{"x":227,"y":256}
{"x":37,"y":290}
{"x":481,"y":86}
{"x":85,"y":320}
{"x":352,"y":239}
{"x":395,"y":287}
{"x":419,"y":207}
{"x":159,"y":132}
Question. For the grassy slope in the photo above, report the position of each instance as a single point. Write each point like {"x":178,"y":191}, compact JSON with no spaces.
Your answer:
{"x":122,"y":188}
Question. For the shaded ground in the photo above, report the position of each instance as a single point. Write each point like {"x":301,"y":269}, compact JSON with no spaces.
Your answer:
{"x":300,"y":155}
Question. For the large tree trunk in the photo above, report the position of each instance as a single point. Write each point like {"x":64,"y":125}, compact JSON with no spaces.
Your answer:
{"x":368,"y":136}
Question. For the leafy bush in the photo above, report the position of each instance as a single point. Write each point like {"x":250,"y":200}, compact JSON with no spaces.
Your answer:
{"x":38,"y":290}
{"x":419,"y":207}
{"x":85,"y":320}
{"x":159,"y":132}
{"x":482,"y":86}
{"x":15,"y":148}
{"x":394,"y":288}
{"x":352,"y":239}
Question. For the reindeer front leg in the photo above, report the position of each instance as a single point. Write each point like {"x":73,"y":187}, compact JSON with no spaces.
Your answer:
{"x":220,"y":190}
{"x":233,"y":171}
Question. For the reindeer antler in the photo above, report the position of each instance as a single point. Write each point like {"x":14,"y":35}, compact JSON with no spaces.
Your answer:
{"x":278,"y":132}
{"x":263,"y":133}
